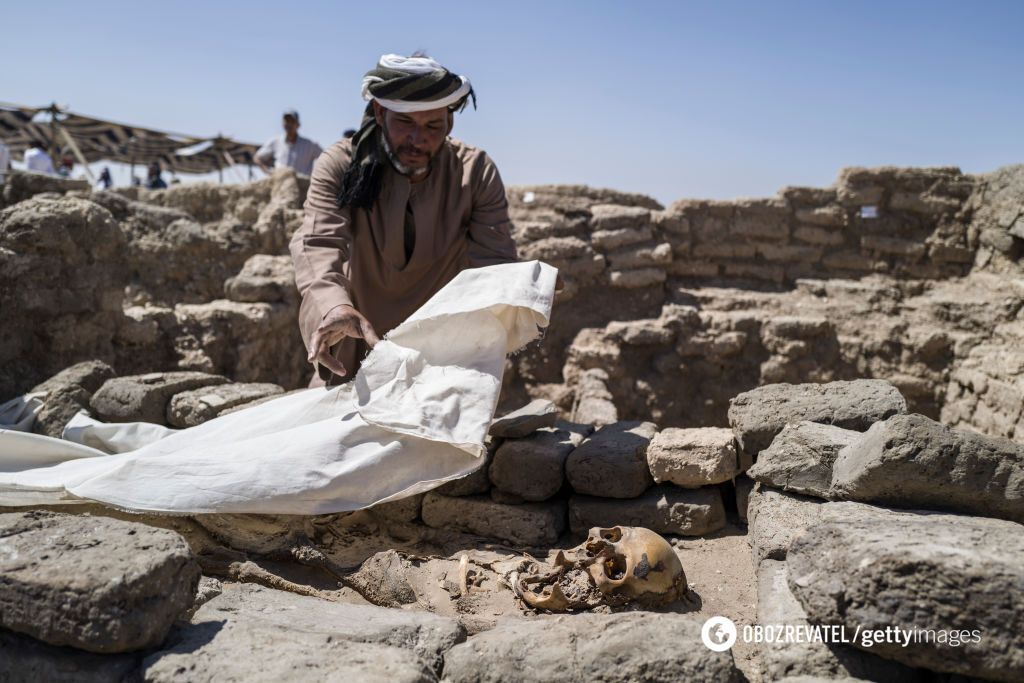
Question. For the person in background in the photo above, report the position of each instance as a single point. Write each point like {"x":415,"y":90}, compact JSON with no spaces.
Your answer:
{"x":67,"y":164}
{"x":5,"y":161}
{"x":153,"y":179}
{"x":105,"y":179}
{"x":38,"y":160}
{"x":289,"y":150}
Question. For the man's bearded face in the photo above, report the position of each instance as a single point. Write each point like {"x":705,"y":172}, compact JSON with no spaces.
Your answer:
{"x":414,"y":138}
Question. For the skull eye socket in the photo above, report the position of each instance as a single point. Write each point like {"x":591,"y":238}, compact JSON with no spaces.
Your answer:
{"x":615,"y":567}
{"x":613,"y":534}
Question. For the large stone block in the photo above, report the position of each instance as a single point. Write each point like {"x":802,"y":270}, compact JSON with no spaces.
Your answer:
{"x":196,"y":406}
{"x":693,"y":457}
{"x":613,"y":648}
{"x":800,"y":458}
{"x":612,"y":462}
{"x":533,"y":468}
{"x":145,"y":398}
{"x":757,"y":416}
{"x":67,"y":393}
{"x":775,"y":518}
{"x":873,"y":569}
{"x":912,"y":461}
{"x":254,"y":633}
{"x":786,"y":658}
{"x":666,"y":509}
{"x":93,"y":583}
{"x":529,"y":524}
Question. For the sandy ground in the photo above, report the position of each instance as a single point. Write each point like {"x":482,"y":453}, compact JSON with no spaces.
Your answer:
{"x":414,"y":567}
{"x":720,"y":571}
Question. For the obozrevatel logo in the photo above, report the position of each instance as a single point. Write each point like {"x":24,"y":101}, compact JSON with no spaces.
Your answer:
{"x":718,"y":633}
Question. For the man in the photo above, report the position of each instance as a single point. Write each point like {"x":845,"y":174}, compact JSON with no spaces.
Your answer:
{"x":393,"y":214}
{"x":38,"y":160}
{"x":153,"y":179}
{"x":289,"y":150}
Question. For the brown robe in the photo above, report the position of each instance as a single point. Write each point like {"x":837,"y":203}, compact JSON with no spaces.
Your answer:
{"x":358,"y":257}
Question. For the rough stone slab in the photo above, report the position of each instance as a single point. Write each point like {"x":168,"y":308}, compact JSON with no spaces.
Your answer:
{"x":776,"y":606}
{"x":90,"y":375}
{"x":757,"y":416}
{"x":254,"y":633}
{"x":528,"y":524}
{"x":24,"y":659}
{"x":800,"y":458}
{"x":533,"y":468}
{"x":912,"y":461}
{"x":67,"y":393}
{"x":693,"y":457}
{"x":94,"y":583}
{"x":873,"y":568}
{"x":775,"y":518}
{"x":196,"y":406}
{"x":612,"y":648}
{"x":144,"y":398}
{"x":612,"y":462}
{"x":666,"y":509}
{"x":536,"y":414}
{"x":60,"y":405}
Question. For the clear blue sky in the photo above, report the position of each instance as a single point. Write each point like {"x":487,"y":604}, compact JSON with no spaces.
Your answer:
{"x":673,"y":99}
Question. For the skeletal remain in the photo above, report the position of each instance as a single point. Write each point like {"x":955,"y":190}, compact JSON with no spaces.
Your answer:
{"x":612,"y":567}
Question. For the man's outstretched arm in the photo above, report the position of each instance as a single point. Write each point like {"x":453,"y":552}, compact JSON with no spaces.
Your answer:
{"x":320,"y":249}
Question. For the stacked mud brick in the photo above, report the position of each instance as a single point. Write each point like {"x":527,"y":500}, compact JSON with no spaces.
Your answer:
{"x":543,"y":477}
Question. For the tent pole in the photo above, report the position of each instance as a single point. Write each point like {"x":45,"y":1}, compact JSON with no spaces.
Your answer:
{"x":77,"y":152}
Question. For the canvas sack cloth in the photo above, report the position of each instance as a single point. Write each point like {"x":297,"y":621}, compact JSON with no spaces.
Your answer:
{"x":415,"y":416}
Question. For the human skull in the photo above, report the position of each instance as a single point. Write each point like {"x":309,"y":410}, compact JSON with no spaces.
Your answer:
{"x":633,"y":563}
{"x":613,"y":566}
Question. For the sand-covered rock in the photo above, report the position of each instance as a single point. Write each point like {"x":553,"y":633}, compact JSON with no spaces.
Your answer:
{"x":93,"y":583}
{"x":657,"y":648}
{"x":912,"y":461}
{"x":757,"y":416}
{"x":612,"y":462}
{"x":254,"y":633}
{"x":146,"y":398}
{"x":800,"y":458}
{"x":666,"y":509}
{"x":872,"y":569}
{"x":693,"y":457}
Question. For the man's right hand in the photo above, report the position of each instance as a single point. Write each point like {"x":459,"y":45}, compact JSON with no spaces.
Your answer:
{"x":340,"y":322}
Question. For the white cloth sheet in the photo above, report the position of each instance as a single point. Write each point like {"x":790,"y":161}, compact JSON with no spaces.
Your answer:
{"x":414,"y":417}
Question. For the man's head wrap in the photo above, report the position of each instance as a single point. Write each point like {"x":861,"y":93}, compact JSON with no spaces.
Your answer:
{"x":401,"y":84}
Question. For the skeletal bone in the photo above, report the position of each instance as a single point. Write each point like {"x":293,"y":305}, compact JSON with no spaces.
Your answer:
{"x":612,"y":567}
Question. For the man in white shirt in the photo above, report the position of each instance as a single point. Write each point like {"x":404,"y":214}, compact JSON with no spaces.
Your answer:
{"x":289,"y":150}
{"x":37,"y":160}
